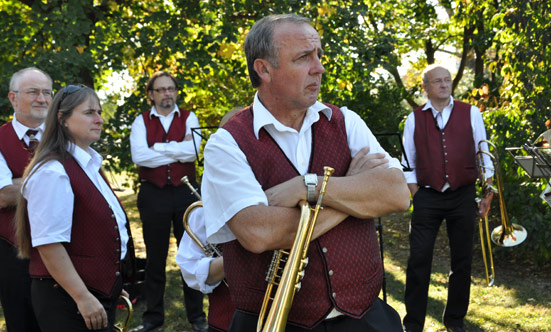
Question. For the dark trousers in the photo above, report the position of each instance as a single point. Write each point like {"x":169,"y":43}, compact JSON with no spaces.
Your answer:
{"x":430,"y":208}
{"x":380,"y":318}
{"x":56,"y":311}
{"x":161,"y":208}
{"x":15,"y":291}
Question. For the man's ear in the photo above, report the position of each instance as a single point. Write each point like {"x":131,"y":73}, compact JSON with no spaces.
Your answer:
{"x":12,"y":96}
{"x":262,"y":68}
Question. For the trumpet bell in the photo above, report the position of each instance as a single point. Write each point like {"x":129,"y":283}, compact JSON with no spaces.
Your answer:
{"x":509,"y":239}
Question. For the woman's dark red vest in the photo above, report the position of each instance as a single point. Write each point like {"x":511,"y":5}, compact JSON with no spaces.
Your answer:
{"x":344,"y":265}
{"x":17,"y":158}
{"x":171,"y":173}
{"x":446,"y":155}
{"x":95,"y":243}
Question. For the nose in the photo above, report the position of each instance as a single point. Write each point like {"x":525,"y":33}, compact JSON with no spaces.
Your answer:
{"x":41,"y":97}
{"x":317,"y":67}
{"x":99,"y":119}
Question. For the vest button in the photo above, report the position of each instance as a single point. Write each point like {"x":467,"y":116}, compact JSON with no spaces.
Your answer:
{"x":446,"y":160}
{"x":117,"y":240}
{"x":117,"y":273}
{"x":168,"y":177}
{"x":443,"y":139}
{"x":168,"y":170}
{"x":447,"y":176}
{"x":324,"y":250}
{"x":334,"y":295}
{"x":330,"y":273}
{"x":112,"y":216}
{"x":444,"y":146}
{"x":116,"y":227}
{"x":445,"y":153}
{"x":118,"y":250}
{"x":443,"y":133}
{"x":117,"y":262}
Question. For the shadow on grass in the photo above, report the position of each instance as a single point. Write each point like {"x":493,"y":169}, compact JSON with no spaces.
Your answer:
{"x":519,"y":301}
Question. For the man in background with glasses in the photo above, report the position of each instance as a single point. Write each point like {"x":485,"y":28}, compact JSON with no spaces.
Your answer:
{"x":163,"y":147}
{"x":30,"y":95}
{"x":441,"y":141}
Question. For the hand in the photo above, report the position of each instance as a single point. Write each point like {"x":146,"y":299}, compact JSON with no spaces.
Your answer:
{"x":363,"y":161}
{"x":484,"y":206}
{"x":92,"y":312}
{"x":125,"y":293}
{"x":288,"y":193}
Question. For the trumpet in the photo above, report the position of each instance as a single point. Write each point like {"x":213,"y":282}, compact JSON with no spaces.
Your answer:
{"x":122,"y":327}
{"x":286,"y":284}
{"x":507,"y":234}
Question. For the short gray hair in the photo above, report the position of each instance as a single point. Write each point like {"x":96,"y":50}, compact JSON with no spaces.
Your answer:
{"x":259,"y":41}
{"x":430,"y":68}
{"x":14,"y":81}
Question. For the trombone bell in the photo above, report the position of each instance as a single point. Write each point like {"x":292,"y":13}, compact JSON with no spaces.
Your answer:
{"x":510,"y":238}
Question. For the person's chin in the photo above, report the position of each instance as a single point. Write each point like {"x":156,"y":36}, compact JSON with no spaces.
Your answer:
{"x":40,"y":113}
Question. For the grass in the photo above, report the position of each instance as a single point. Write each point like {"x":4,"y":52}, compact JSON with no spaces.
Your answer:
{"x":520,"y":300}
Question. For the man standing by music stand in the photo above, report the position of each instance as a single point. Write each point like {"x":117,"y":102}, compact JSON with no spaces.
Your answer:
{"x":162,"y":146}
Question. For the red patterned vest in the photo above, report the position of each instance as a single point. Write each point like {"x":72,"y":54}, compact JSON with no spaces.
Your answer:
{"x":17,"y":158}
{"x":171,"y":173}
{"x":344,"y":268}
{"x":446,"y":155}
{"x":220,"y":309}
{"x":95,"y":244}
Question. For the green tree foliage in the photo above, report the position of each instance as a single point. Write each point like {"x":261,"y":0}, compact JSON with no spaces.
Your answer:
{"x":374,"y":53}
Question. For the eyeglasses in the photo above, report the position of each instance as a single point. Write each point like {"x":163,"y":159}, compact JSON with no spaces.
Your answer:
{"x":440,"y":81}
{"x":170,"y":89}
{"x":34,"y":93}
{"x":70,"y":89}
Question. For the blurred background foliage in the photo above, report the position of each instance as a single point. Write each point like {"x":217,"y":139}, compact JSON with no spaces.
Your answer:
{"x":499,"y":52}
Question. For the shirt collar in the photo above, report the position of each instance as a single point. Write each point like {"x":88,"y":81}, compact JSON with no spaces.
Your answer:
{"x":262,"y":117}
{"x":428,"y":105}
{"x":157,"y":114}
{"x":21,"y":129}
{"x":88,"y":158}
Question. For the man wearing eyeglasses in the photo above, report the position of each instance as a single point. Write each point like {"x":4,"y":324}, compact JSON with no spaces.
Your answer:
{"x":30,"y":95}
{"x":441,"y":141}
{"x":163,"y":147}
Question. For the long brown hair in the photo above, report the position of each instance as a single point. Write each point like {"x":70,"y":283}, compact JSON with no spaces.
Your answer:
{"x":53,"y":146}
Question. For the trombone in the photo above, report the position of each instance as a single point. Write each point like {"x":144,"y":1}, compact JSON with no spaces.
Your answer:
{"x":209,"y":249}
{"x":507,"y":234}
{"x":122,"y":327}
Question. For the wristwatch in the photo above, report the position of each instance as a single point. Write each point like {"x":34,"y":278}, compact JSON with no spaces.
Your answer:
{"x":311,"y":181}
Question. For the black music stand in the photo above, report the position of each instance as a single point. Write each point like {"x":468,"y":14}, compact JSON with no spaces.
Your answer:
{"x":197,"y":146}
{"x":536,"y":161}
{"x":379,"y":226}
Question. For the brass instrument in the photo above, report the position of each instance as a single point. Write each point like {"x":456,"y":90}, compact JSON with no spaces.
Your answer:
{"x":507,"y":234}
{"x":124,"y":326}
{"x":193,"y":190}
{"x":289,"y":281}
{"x":210,"y":250}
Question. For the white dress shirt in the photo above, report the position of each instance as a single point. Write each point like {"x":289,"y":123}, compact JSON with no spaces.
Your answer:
{"x":479,"y":133}
{"x":229,"y":184}
{"x":50,"y":199}
{"x":6,"y":176}
{"x":192,"y":261}
{"x":163,"y":153}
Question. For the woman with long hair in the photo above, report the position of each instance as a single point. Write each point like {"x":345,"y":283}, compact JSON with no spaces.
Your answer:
{"x":70,"y":223}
